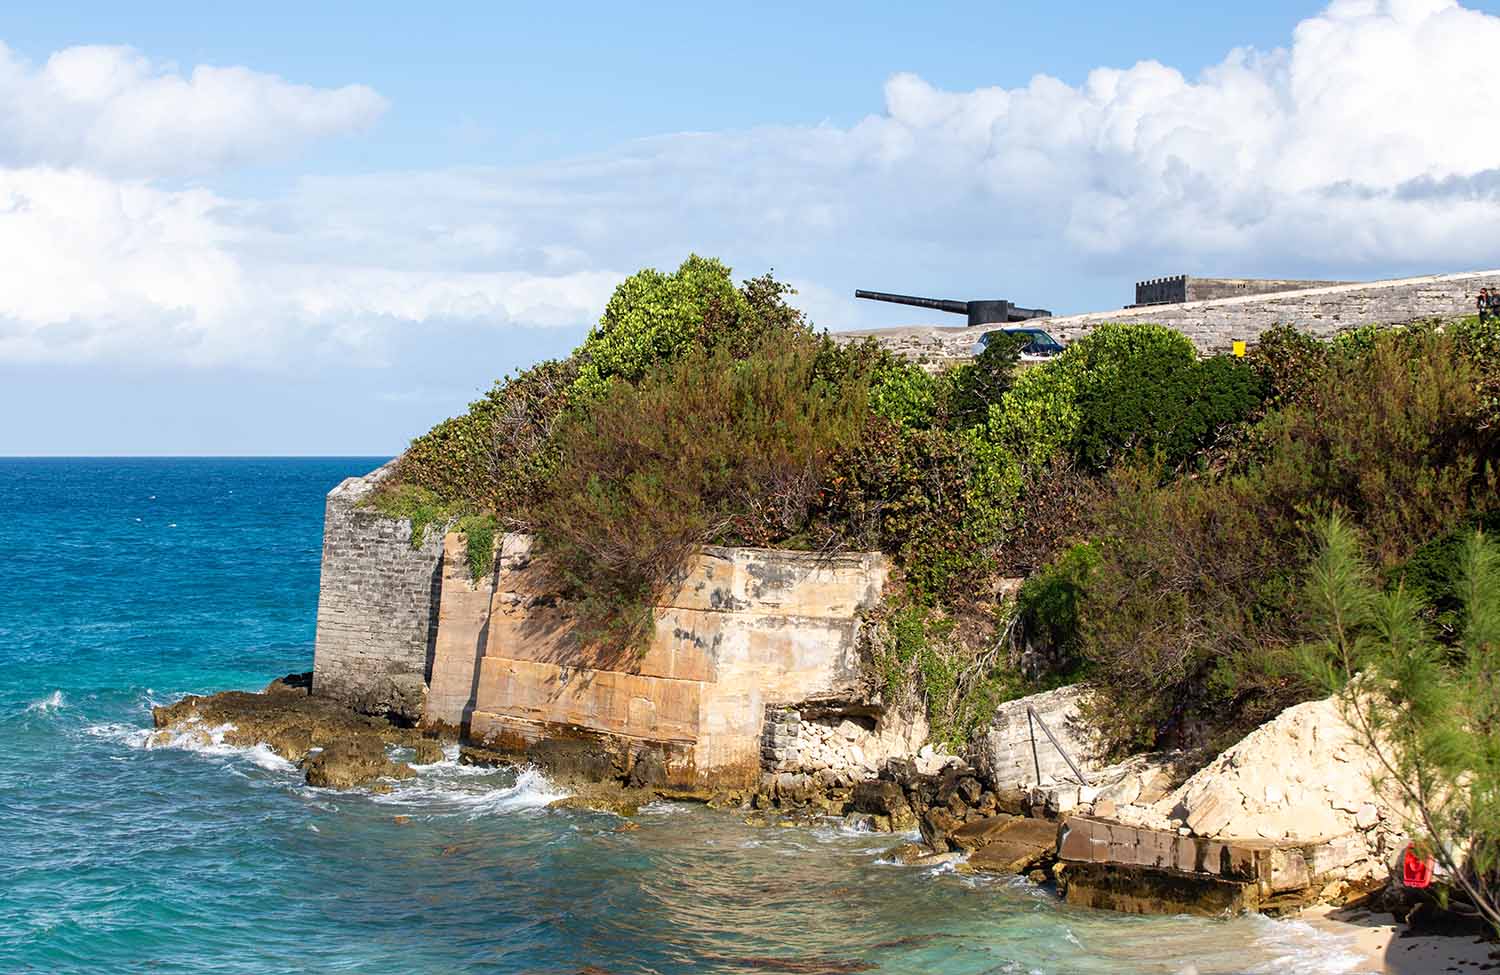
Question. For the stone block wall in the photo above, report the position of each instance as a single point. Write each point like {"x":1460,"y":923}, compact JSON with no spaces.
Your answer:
{"x":1214,"y":324}
{"x":837,"y":747}
{"x":1002,"y":751}
{"x":743,"y":630}
{"x":377,"y":602}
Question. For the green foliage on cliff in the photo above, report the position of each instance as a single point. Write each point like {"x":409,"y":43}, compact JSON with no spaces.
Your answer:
{"x":479,"y":542}
{"x":1161,"y":501}
{"x":419,"y":505}
{"x":921,"y":657}
{"x":707,"y":448}
{"x":1187,"y":618}
{"x":653,"y":318}
{"x":1428,"y":710}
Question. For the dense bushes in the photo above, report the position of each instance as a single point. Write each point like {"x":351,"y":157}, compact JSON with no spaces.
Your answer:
{"x":1124,"y":389}
{"x":708,"y":448}
{"x":1186,"y":619}
{"x":1159,"y":501}
{"x":653,"y":317}
{"x":498,"y":455}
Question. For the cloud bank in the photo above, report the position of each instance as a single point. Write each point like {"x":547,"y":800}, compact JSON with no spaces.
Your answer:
{"x":1366,"y":145}
{"x":112,"y":109}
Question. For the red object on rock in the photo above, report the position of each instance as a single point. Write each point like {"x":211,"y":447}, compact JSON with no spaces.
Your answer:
{"x":1415,"y":872}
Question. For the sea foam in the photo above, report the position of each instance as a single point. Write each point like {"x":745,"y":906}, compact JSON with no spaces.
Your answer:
{"x":51,"y":702}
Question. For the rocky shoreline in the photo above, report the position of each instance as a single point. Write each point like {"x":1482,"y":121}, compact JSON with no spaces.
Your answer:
{"x":962,"y":817}
{"x":960,"y":812}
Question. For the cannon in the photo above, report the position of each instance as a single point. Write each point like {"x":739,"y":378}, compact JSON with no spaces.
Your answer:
{"x":990,"y":311}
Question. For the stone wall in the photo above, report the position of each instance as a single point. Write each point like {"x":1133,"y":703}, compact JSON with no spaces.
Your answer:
{"x":1214,"y":325}
{"x":743,"y":630}
{"x":835,"y":747}
{"x":1002,"y":751}
{"x":376,"y":605}
{"x":1182,"y":287}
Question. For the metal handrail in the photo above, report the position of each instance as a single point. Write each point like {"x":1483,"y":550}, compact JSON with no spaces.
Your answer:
{"x":1036,"y":760}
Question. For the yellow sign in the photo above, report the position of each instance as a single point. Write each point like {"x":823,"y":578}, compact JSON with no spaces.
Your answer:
{"x":1239,"y":346}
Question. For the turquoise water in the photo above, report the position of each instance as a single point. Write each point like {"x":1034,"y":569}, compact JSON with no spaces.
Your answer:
{"x":127,"y":583}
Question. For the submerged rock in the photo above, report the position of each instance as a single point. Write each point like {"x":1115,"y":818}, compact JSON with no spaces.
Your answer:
{"x":351,"y":762}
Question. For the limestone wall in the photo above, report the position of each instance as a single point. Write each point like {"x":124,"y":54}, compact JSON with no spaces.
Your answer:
{"x":1002,"y":751}
{"x":835,"y":747}
{"x":376,"y":605}
{"x":745,"y":629}
{"x":1215,"y":324}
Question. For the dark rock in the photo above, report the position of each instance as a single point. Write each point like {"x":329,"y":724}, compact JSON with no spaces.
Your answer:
{"x":426,"y":752}
{"x":879,"y":796}
{"x":969,"y":788}
{"x":649,"y":769}
{"x":352,"y":762}
{"x":973,"y":835}
{"x":936,"y":826}
{"x":336,"y":747}
{"x":574,"y":759}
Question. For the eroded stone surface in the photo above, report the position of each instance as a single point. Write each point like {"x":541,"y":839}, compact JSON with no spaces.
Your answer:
{"x":335,"y":746}
{"x":743,"y":630}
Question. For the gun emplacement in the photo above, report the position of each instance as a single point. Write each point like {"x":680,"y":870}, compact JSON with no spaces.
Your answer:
{"x":984,"y":312}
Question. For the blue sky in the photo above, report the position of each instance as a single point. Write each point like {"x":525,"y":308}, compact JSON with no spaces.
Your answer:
{"x":294,"y":230}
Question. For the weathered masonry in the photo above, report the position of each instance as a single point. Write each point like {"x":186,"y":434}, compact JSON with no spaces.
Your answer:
{"x":1215,"y":324}
{"x":377,"y":605}
{"x":405,"y":631}
{"x":1183,"y":287}
{"x":743,"y":629}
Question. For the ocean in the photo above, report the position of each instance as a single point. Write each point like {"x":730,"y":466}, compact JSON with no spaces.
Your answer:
{"x":126,"y":583}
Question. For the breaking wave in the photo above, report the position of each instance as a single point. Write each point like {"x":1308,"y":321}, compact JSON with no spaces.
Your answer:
{"x":51,"y":702}
{"x":202,"y":740}
{"x":448,"y":788}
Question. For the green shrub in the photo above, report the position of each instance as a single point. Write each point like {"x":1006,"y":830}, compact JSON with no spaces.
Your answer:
{"x":975,"y":386}
{"x":1394,"y":436}
{"x":1042,"y":413}
{"x":419,"y":505}
{"x":935,"y":498}
{"x":1048,"y":606}
{"x":1121,"y":390}
{"x":907,"y":396}
{"x":1182,"y":617}
{"x":479,"y":543}
{"x":1187,"y":616}
{"x":921,"y":658}
{"x":709,"y":448}
{"x":498,"y":455}
{"x":653,"y":318}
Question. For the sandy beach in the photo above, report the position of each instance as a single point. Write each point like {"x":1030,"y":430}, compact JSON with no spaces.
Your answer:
{"x":1389,"y":947}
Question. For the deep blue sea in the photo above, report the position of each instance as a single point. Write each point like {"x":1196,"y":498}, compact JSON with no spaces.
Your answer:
{"x":128,"y":583}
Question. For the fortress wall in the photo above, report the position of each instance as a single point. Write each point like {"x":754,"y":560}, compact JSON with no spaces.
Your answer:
{"x":745,"y":628}
{"x":377,"y":601}
{"x":1215,"y":324}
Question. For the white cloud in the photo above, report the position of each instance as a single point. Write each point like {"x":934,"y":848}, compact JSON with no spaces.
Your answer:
{"x":1368,"y":145}
{"x":112,"y":109}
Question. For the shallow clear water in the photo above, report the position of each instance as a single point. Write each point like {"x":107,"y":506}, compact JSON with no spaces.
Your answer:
{"x":125,"y":583}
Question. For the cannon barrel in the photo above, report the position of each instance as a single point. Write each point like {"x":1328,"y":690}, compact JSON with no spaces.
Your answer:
{"x":936,"y":304}
{"x":986,"y":312}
